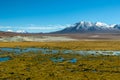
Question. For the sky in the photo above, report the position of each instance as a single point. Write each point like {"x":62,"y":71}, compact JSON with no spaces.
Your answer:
{"x":52,"y":15}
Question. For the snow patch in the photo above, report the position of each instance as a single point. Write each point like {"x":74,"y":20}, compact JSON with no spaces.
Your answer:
{"x":100,"y":24}
{"x":10,"y":31}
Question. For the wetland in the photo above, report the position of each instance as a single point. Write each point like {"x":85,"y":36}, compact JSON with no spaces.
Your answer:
{"x":48,"y":62}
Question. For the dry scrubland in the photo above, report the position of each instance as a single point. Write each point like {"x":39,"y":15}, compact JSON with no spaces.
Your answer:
{"x":35,"y":38}
{"x":74,"y":45}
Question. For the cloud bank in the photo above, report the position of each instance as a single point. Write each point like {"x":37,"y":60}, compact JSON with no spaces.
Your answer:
{"x":32,"y":28}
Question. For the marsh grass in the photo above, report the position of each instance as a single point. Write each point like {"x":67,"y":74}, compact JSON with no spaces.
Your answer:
{"x":71,"y":45}
{"x":31,"y":66}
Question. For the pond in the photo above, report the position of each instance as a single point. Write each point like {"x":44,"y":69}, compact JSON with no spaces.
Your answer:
{"x":3,"y":59}
{"x":74,"y":60}
{"x":61,"y":59}
{"x":57,"y":59}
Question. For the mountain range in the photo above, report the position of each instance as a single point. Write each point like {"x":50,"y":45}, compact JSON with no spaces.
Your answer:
{"x":90,"y":27}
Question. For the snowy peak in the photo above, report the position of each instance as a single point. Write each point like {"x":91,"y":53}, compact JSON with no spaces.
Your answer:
{"x":83,"y":24}
{"x":100,"y":24}
{"x":84,"y":27}
{"x":20,"y":31}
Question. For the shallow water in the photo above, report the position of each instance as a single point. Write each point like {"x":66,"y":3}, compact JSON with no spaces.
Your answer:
{"x":53,"y":51}
{"x":3,"y":59}
{"x":74,"y":60}
{"x":61,"y":59}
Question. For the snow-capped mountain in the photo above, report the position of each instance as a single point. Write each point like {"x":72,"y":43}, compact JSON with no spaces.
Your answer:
{"x":21,"y":31}
{"x":86,"y":27}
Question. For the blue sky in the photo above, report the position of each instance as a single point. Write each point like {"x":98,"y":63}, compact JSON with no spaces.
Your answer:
{"x":51,"y":15}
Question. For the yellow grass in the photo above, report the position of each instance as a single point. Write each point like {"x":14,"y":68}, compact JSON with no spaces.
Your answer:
{"x":32,"y":66}
{"x":75,"y":45}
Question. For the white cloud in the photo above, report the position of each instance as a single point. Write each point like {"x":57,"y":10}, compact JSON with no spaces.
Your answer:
{"x":40,"y":28}
{"x":33,"y":28}
{"x":48,"y":28}
{"x":5,"y":27}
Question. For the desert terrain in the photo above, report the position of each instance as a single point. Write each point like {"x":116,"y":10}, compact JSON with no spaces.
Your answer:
{"x":48,"y":37}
